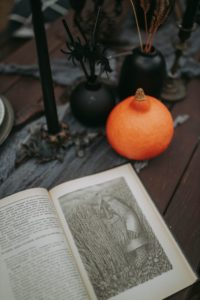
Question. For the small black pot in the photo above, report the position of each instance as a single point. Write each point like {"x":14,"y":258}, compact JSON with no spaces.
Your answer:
{"x":91,"y":103}
{"x":142,"y":70}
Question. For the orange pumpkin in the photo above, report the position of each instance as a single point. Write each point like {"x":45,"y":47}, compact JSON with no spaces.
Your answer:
{"x":140,"y":127}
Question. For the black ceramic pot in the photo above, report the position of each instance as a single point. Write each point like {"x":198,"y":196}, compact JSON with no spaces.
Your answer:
{"x":92,"y":102}
{"x":142,"y":70}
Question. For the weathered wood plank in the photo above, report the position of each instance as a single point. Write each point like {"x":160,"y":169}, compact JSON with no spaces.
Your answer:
{"x":9,"y":45}
{"x":26,"y":55}
{"x":183,"y":213}
{"x":162,"y":175}
{"x":182,"y":217}
{"x":28,"y":102}
{"x":29,"y":99}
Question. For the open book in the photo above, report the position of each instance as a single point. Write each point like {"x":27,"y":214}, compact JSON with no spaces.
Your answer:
{"x":98,"y":237}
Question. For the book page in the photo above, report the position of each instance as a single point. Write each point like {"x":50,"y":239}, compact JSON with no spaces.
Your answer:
{"x":119,"y":239}
{"x":35,"y":258}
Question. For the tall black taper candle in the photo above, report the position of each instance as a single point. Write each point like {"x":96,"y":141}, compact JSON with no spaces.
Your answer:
{"x":185,"y":30}
{"x":45,"y":70}
{"x":174,"y":89}
{"x":188,"y":19}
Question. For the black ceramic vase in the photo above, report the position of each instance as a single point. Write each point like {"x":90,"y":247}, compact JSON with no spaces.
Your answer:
{"x":142,"y":70}
{"x":91,"y":103}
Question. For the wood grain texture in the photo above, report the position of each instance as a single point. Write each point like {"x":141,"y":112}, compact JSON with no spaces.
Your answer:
{"x":182,"y":217}
{"x":29,"y":102}
{"x":26,"y":54}
{"x":162,"y":176}
{"x":172,"y":179}
{"x":183,"y":213}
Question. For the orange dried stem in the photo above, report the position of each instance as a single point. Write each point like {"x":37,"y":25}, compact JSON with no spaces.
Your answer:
{"x":137,"y":25}
{"x":140,"y":95}
{"x":146,"y":26}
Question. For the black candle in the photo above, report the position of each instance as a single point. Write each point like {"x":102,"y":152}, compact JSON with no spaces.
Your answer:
{"x":44,"y":66}
{"x":188,"y":19}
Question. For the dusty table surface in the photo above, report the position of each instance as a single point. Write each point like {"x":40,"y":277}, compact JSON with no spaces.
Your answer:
{"x":172,"y":179}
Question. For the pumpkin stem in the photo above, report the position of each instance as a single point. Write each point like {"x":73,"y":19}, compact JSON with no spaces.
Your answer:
{"x":140,"y":95}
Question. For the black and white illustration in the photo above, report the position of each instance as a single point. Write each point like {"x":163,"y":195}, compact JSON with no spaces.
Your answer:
{"x":118,"y":247}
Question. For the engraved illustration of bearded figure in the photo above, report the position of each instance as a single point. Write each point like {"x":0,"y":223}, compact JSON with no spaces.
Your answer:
{"x":125,"y":228}
{"x":110,"y":239}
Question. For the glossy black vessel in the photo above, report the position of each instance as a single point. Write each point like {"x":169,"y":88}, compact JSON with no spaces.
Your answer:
{"x":142,"y":70}
{"x":92,"y":102}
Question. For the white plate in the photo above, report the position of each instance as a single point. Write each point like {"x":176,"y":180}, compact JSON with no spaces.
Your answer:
{"x":2,"y":111}
{"x":8,"y":121}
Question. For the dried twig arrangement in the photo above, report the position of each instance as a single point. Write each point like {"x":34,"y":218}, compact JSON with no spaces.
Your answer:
{"x":87,"y":51}
{"x":161,"y":11}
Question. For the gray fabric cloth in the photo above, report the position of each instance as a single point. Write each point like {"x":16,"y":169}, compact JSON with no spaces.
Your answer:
{"x":65,"y":73}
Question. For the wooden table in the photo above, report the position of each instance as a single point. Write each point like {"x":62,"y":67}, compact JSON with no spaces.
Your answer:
{"x":172,"y":179}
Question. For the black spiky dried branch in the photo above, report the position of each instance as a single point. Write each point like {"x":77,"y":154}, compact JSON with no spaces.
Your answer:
{"x":93,"y":46}
{"x":76,"y":50}
{"x":77,"y":23}
{"x":88,"y":53}
{"x":118,"y":7}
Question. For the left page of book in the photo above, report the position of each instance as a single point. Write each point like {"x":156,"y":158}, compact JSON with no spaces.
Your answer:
{"x":35,"y":259}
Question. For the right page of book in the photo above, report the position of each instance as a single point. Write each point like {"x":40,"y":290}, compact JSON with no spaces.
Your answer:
{"x":122,"y":246}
